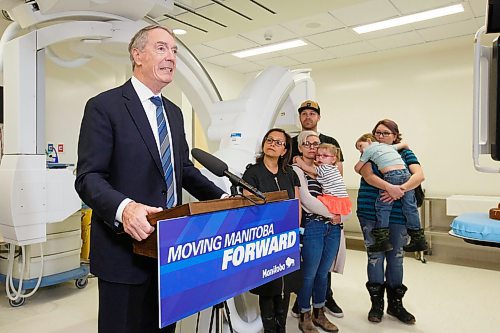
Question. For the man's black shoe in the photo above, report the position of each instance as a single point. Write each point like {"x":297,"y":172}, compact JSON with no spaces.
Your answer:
{"x":333,"y":308}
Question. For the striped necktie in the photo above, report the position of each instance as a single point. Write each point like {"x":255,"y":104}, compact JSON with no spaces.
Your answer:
{"x":165,"y":154}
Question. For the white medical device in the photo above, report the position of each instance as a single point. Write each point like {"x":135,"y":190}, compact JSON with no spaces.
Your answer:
{"x":484,"y":114}
{"x":33,"y":195}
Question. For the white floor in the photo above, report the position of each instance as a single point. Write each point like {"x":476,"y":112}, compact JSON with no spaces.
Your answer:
{"x":443,"y":298}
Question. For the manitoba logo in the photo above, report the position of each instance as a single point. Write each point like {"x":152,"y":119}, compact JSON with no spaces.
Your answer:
{"x":289,"y":262}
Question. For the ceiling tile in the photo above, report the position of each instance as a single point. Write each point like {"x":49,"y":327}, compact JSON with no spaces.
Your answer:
{"x":202,"y":51}
{"x":301,"y":49}
{"x":247,"y":67}
{"x":278,"y":61}
{"x":321,"y":23}
{"x":480,"y":21}
{"x":333,"y":38}
{"x":399,"y":40}
{"x":365,"y":12}
{"x":231,"y":44}
{"x":468,"y":27}
{"x":225,"y":60}
{"x":275,"y":33}
{"x":312,"y":56}
{"x":478,"y":7}
{"x":465,"y":15}
{"x":195,"y":4}
{"x":387,"y":32}
{"x":351,"y":49}
{"x":411,"y":6}
{"x":313,"y":24}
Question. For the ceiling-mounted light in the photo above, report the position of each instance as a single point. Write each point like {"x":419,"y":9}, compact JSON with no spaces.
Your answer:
{"x":422,"y":16}
{"x":179,"y":32}
{"x":270,"y":48}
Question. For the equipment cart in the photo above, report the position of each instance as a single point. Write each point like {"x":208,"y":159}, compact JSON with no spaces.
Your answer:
{"x":80,"y":275}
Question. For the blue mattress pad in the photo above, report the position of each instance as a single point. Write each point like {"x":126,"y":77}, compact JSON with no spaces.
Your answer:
{"x":477,"y":226}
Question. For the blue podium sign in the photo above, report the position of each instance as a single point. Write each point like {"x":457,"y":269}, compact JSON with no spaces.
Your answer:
{"x":205,"y":259}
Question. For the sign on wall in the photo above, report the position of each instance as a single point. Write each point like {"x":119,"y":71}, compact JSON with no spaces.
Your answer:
{"x":205,"y":259}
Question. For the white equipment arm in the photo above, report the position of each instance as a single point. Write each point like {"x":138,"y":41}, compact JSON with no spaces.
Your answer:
{"x":480,"y":138}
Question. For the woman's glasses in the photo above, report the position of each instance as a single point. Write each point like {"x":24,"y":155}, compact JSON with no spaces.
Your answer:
{"x":277,"y":142}
{"x":311,"y":145}
{"x":383,"y":134}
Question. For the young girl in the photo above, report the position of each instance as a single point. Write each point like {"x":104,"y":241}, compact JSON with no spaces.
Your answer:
{"x":335,"y":196}
{"x":394,"y":171}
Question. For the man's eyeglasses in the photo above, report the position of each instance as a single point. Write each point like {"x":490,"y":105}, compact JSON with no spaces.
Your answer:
{"x":311,"y":145}
{"x":277,"y":142}
{"x":162,"y":48}
{"x":383,"y":134}
{"x":324,"y":155}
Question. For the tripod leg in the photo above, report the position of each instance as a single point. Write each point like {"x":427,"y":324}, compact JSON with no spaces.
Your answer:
{"x":217,"y":320}
{"x":212,"y":319}
{"x":228,"y":316}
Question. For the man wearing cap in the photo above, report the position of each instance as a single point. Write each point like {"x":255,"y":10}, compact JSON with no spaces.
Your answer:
{"x":309,"y":115}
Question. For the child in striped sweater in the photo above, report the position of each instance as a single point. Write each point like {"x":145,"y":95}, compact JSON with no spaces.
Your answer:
{"x":334,"y":196}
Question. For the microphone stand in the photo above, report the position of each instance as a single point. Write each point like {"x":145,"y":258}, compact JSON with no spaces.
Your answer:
{"x":234,"y":193}
{"x":234,"y":189}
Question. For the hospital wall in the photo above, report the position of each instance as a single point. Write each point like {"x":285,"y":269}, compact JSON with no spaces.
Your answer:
{"x":426,"y":89}
{"x":68,"y":89}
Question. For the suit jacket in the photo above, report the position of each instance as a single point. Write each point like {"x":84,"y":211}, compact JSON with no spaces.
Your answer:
{"x":118,"y":158}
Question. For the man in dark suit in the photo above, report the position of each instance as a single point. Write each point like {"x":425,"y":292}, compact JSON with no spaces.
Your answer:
{"x":309,"y":116}
{"x":133,"y":160}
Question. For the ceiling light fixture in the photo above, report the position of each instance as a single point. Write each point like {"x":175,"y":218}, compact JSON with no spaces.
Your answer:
{"x":179,"y":32}
{"x":422,"y":16}
{"x":270,"y":48}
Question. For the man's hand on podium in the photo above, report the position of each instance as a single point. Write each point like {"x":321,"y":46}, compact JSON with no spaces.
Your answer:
{"x":134,"y":220}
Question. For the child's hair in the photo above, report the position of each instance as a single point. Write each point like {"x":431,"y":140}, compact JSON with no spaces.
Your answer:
{"x":332,"y":149}
{"x":365,"y":137}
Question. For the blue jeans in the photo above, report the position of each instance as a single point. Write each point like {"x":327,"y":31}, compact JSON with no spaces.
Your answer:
{"x":319,"y":248}
{"x":378,"y":272}
{"x":408,"y":202}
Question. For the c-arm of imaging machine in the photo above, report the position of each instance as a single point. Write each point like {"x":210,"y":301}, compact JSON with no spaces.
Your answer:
{"x":33,"y":195}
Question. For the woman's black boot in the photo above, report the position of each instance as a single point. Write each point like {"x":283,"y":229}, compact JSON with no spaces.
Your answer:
{"x":266,"y":305}
{"x":395,"y":304}
{"x":376,"y":291}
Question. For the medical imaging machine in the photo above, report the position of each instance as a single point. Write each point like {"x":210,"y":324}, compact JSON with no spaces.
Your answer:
{"x":36,"y":197}
{"x":478,"y":227}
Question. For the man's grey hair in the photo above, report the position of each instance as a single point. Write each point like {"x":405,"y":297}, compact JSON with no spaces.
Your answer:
{"x":140,"y":39}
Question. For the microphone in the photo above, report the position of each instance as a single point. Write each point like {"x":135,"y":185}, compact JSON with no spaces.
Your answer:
{"x":220,"y":169}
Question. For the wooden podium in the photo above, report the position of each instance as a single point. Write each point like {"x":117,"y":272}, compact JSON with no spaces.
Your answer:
{"x":148,"y":247}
